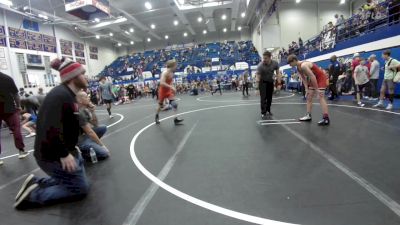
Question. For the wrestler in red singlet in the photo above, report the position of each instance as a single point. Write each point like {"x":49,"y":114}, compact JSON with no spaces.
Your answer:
{"x":166,"y":92}
{"x":314,"y":80}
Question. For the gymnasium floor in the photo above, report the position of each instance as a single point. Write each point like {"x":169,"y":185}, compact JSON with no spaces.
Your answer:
{"x":224,"y":160}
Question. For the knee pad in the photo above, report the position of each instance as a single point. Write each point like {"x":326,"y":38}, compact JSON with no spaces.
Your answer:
{"x":173,"y":104}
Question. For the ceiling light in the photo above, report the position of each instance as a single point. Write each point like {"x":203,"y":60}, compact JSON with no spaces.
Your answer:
{"x":223,"y":17}
{"x":182,"y":2}
{"x":126,"y":32}
{"x":153,"y":26}
{"x":148,"y":39}
{"x":132,"y":42}
{"x":342,"y":2}
{"x":200,"y":19}
{"x":166,"y":36}
{"x":148,"y":5}
{"x":97,"y":36}
{"x":243,"y":14}
{"x":96,"y":20}
{"x":6,"y":2}
{"x":111,"y":34}
{"x":185,"y":34}
{"x":131,"y":30}
{"x":239,"y":28}
{"x":204,"y":31}
{"x":119,"y":44}
{"x":76,"y":27}
{"x":41,"y":16}
{"x":120,"y":20}
{"x":298,"y":1}
{"x":224,"y":30}
{"x":176,"y":22}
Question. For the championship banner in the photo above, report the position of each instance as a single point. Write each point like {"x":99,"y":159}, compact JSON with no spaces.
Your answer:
{"x":49,"y":48}
{"x":93,"y":49}
{"x":66,"y":47}
{"x":81,"y":61}
{"x":3,"y":42}
{"x":79,"y":53}
{"x":17,"y":33}
{"x":95,"y":57}
{"x":16,"y":43}
{"x":48,"y":39}
{"x":34,"y":46}
{"x":32,"y":36}
{"x":2,"y":31}
{"x":79,"y":46}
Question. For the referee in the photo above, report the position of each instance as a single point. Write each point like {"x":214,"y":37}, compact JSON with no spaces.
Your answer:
{"x":265,"y":73}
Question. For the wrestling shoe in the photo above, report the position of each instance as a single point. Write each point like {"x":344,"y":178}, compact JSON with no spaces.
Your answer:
{"x":380,"y":104}
{"x":22,"y":154}
{"x":178,"y":121}
{"x":389,"y":107}
{"x":324,"y":122}
{"x":157,"y":119}
{"x":306,"y":118}
{"x":360,"y":104}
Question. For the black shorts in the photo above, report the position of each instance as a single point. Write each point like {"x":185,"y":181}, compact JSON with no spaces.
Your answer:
{"x":360,"y":88}
{"x":107,"y":101}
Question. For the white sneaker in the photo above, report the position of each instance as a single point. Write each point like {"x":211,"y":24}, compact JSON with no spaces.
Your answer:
{"x":1,"y":162}
{"x":380,"y":104}
{"x":306,"y":118}
{"x":22,"y":154}
{"x":30,"y":135}
{"x":389,"y":107}
{"x":111,"y":116}
{"x":360,"y":104}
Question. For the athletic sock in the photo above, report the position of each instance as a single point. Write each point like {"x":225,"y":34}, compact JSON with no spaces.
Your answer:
{"x":325,"y":116}
{"x":391,"y":98}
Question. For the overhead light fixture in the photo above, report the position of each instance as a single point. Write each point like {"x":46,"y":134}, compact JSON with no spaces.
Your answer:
{"x":132,"y":42}
{"x":148,"y":5}
{"x":126,"y":32}
{"x":41,"y":16}
{"x":76,"y":27}
{"x":148,"y":39}
{"x":119,"y":44}
{"x":298,"y":1}
{"x":223,"y":17}
{"x":111,"y":34}
{"x":204,"y":31}
{"x":270,"y":49}
{"x":200,"y":19}
{"x":224,"y":30}
{"x":96,"y":20}
{"x":120,"y":20}
{"x":182,"y":2}
{"x":131,"y":30}
{"x":342,"y":2}
{"x":185,"y":34}
{"x":176,"y":22}
{"x":153,"y":26}
{"x":239,"y":28}
{"x":243,"y":15}
{"x":97,"y":36}
{"x":6,"y":2}
{"x":166,"y":37}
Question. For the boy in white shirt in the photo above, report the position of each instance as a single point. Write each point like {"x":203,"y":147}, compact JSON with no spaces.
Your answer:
{"x":361,"y":79}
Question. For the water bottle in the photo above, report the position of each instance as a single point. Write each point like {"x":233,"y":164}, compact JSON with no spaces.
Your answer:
{"x":93,"y":155}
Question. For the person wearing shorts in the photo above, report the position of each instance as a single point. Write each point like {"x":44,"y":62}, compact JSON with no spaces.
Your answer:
{"x":361,"y":74}
{"x":314,"y":80}
{"x":29,"y":124}
{"x":167,"y":91}
{"x":388,"y":84}
{"x":106,"y":94}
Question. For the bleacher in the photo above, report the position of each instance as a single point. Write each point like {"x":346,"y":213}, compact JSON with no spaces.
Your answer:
{"x":200,"y":56}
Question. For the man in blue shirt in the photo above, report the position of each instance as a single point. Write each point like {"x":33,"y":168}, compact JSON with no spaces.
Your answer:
{"x":334,"y":71}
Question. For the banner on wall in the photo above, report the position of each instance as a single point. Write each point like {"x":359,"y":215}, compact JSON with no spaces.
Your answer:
{"x":48,"y":39}
{"x":34,"y":46}
{"x":49,"y":48}
{"x":32,"y":36}
{"x":79,"y":53}
{"x":30,"y":25}
{"x":79,"y":46}
{"x":3,"y":41}
{"x":17,"y":33}
{"x":94,"y":56}
{"x":66,"y":47}
{"x":93,"y":49}
{"x":81,"y":61}
{"x":2,"y":31}
{"x":16,"y":43}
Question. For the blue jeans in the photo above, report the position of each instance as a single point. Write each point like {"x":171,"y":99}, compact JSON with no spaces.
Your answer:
{"x":60,"y":186}
{"x":88,"y":143}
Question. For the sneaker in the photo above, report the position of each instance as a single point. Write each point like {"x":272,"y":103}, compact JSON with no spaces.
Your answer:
{"x":178,"y":121}
{"x":306,"y":118}
{"x":30,"y":135}
{"x":324,"y":122}
{"x":21,"y":202}
{"x":389,"y":107}
{"x":111,"y":116}
{"x":157,"y":119}
{"x":22,"y":154}
{"x":269,"y":113}
{"x":28,"y":182}
{"x":380,"y":104}
{"x":1,"y":162}
{"x":360,"y":104}
{"x":366,"y":97}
